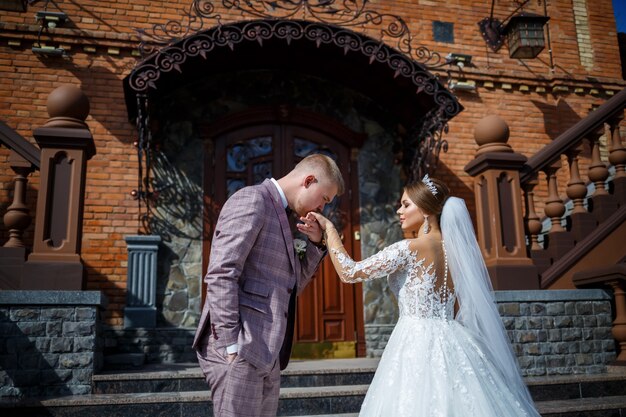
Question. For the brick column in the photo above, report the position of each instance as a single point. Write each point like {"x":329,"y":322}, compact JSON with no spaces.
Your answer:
{"x":499,"y":207}
{"x":66,"y":145}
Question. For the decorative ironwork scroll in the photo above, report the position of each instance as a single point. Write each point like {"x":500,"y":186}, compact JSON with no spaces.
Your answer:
{"x":172,"y":57}
{"x":343,"y":13}
{"x":426,"y":144}
{"x":202,"y":29}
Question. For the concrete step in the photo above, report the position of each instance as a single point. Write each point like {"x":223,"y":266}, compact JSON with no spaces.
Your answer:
{"x":338,"y":372}
{"x":293,"y":402}
{"x":188,"y":377}
{"x":612,"y":406}
{"x":343,"y":401}
{"x":567,"y":387}
{"x":309,"y":388}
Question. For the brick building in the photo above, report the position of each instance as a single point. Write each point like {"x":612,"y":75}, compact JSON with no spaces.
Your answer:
{"x":239,"y":108}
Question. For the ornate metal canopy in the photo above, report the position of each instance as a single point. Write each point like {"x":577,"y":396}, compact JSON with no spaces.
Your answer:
{"x":202,"y":34}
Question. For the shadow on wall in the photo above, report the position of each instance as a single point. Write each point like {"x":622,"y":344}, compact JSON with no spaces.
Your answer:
{"x":458,"y":188}
{"x":103,"y":87}
{"x":557,"y":118}
{"x":26,"y":372}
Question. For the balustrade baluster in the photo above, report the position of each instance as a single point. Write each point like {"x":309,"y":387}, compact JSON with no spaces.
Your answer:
{"x":580,"y":221}
{"x":602,"y":204}
{"x":598,"y":172}
{"x":617,"y":157}
{"x":532,"y":222}
{"x":576,"y":188}
{"x":559,"y":241}
{"x":17,"y":217}
{"x":555,"y":209}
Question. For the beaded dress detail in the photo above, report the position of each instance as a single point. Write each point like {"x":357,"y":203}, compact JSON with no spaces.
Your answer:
{"x":432,"y":365}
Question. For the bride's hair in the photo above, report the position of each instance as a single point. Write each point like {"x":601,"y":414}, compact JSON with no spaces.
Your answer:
{"x":424,"y":198}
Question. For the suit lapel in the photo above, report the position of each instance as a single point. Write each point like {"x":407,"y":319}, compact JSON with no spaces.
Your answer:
{"x":284,"y":222}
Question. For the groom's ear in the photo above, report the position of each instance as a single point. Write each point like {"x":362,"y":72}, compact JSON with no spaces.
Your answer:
{"x":308,"y":180}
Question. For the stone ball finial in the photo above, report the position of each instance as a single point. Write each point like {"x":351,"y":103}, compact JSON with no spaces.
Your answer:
{"x":492,"y":134}
{"x":67,"y":106}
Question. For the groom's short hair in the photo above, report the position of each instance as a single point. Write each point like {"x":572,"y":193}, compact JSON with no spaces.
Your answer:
{"x":325,"y":166}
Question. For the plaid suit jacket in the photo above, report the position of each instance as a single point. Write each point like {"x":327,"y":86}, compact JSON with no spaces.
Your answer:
{"x":252,"y":272}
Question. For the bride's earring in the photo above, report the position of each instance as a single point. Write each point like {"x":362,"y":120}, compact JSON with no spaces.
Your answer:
{"x":426,"y":225}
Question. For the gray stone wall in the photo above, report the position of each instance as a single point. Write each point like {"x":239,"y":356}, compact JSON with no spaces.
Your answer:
{"x":49,"y":342}
{"x":560,"y":331}
{"x":376,"y":337}
{"x":552,"y":332}
{"x":380,"y":188}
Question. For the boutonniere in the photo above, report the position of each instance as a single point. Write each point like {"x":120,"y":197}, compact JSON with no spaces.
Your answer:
{"x":300,"y":247}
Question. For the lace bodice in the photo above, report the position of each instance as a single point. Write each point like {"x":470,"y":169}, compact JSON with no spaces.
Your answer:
{"x":412,"y":282}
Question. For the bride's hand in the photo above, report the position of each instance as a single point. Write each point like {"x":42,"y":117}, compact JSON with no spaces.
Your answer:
{"x":311,"y":228}
{"x":323,"y":221}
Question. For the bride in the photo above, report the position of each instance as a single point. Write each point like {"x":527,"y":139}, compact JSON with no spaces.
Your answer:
{"x":436,"y":363}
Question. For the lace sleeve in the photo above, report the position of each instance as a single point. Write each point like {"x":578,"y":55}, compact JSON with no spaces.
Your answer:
{"x":383,"y":263}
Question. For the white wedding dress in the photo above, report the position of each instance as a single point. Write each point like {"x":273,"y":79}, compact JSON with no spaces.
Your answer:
{"x":433,"y":366}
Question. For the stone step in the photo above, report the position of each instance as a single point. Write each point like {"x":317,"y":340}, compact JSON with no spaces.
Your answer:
{"x":567,"y":387}
{"x":343,"y":401}
{"x":188,"y":377}
{"x":338,"y":372}
{"x":293,"y":402}
{"x":612,"y":406}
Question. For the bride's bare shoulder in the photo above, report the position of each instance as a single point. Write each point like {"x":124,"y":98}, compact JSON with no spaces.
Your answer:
{"x":423,"y":244}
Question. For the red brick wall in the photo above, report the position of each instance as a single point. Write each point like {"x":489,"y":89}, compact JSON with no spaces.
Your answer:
{"x":534,"y":117}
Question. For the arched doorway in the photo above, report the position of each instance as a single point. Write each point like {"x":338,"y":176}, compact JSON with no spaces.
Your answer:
{"x":248,"y":147}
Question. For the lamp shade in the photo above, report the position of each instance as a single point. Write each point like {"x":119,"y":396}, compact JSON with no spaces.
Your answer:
{"x":524,"y":34}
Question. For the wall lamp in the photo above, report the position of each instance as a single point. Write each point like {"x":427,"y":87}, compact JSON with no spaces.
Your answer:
{"x":460,"y":60}
{"x":48,"y":50}
{"x":51,"y":19}
{"x":523,"y":32}
{"x":48,"y":20}
{"x":460,"y":85}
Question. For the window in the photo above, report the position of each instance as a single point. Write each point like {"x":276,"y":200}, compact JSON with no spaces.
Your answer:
{"x":443,"y":32}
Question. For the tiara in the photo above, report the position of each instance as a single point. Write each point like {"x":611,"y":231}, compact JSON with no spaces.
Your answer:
{"x":431,"y":186}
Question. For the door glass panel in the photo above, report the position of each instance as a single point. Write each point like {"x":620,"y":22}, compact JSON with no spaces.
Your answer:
{"x":261,"y":171}
{"x":247,"y":163}
{"x":232,"y":185}
{"x":303,"y":148}
{"x":239,"y":154}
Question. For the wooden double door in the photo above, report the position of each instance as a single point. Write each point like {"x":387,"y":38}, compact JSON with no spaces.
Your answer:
{"x":249,"y":147}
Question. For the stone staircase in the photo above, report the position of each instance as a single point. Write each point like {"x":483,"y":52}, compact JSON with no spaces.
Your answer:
{"x":309,"y":388}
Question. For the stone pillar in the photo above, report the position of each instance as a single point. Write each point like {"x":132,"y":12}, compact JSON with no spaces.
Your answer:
{"x":499,"y":207}
{"x":66,"y":145}
{"x":140,"y":310}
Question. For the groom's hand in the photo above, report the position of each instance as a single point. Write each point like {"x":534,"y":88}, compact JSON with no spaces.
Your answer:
{"x":311,"y":228}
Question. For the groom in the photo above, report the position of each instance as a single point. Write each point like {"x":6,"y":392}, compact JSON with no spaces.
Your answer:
{"x":246,"y":328}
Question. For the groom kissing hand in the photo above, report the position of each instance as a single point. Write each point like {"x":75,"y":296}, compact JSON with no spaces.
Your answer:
{"x":245,"y":332}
